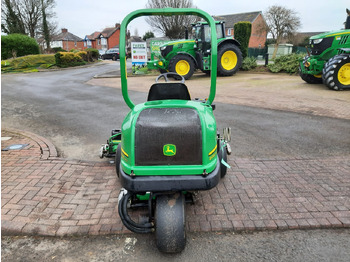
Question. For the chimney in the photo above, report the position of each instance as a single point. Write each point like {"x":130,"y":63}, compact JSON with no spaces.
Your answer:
{"x":64,"y":30}
{"x":117,"y":25}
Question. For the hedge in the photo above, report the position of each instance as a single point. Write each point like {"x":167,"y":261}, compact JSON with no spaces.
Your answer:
{"x":16,"y":45}
{"x":27,"y":63}
{"x":286,"y":63}
{"x":242,"y":31}
{"x":67,"y":59}
{"x":92,"y":53}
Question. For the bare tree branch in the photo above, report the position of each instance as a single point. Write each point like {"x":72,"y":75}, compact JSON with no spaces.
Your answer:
{"x":170,"y":26}
{"x":281,"y":22}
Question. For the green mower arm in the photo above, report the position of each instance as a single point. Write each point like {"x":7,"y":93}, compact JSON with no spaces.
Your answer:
{"x":167,"y":12}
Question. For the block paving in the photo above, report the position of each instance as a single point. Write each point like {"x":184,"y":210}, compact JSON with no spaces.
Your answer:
{"x":42,"y":194}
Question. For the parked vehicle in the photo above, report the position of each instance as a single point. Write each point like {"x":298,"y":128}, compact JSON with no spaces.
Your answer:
{"x":111,"y":54}
{"x":167,"y":148}
{"x":185,"y":56}
{"x":329,"y":60}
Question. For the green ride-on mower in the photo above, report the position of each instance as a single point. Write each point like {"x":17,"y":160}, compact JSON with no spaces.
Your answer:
{"x":329,"y":60}
{"x":168,"y":147}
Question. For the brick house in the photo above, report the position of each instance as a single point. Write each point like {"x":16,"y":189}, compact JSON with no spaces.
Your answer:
{"x":108,"y":38}
{"x":67,"y":41}
{"x":90,"y":40}
{"x":259,"y":33}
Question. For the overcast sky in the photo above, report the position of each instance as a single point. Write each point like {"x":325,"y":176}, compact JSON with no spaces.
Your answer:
{"x":85,"y":17}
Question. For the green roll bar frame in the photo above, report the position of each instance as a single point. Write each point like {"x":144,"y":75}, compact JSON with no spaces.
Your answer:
{"x":167,"y":12}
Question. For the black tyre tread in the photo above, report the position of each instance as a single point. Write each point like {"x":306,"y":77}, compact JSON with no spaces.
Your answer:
{"x":222,"y":153}
{"x":170,"y":223}
{"x":179,"y":57}
{"x":118,"y":158}
{"x":221,"y":51}
{"x":330,"y":71}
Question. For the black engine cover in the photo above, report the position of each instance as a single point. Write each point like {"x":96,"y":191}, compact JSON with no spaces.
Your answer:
{"x":158,"y":127}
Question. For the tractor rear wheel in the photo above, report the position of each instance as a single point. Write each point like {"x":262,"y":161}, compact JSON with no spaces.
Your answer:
{"x":336,"y":72}
{"x":182,"y":65}
{"x":170,"y":222}
{"x":229,"y":59}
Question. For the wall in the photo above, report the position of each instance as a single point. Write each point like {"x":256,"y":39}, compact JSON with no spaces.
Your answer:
{"x":113,"y":40}
{"x":258,"y":36}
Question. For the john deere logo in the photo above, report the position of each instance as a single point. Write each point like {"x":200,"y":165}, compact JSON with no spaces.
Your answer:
{"x":169,"y":150}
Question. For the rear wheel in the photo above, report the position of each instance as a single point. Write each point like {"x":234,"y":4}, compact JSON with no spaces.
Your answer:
{"x":118,"y":158}
{"x":336,"y":72}
{"x":182,"y":65}
{"x":170,"y":223}
{"x":222,"y":154}
{"x":229,"y":59}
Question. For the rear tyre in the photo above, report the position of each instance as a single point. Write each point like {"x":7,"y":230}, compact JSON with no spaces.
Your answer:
{"x":117,"y":159}
{"x":336,"y":72}
{"x":182,"y":65}
{"x":222,"y":153}
{"x":170,"y":223}
{"x":229,"y":59}
{"x":114,"y":58}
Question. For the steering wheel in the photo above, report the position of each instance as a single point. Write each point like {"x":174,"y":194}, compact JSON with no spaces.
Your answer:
{"x":165,"y":75}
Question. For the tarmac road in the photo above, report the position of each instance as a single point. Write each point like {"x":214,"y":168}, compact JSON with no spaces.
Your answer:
{"x":295,"y":245}
{"x":78,"y":117}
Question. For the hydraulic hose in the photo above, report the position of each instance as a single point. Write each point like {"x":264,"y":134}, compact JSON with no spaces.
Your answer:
{"x":128,"y":222}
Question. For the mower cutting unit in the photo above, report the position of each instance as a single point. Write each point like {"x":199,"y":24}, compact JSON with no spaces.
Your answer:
{"x":169,"y":147}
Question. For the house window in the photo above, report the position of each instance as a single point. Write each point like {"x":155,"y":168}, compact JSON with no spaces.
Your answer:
{"x":229,"y":32}
{"x":75,"y":44}
{"x":85,"y":44}
{"x":98,"y":41}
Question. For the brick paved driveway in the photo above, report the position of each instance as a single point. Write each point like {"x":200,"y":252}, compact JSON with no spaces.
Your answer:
{"x":43,"y":194}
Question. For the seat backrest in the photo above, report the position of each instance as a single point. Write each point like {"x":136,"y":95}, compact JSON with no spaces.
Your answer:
{"x":163,"y":91}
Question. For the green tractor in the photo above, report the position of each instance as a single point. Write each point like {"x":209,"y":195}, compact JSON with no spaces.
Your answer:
{"x":185,"y":56}
{"x":167,"y":148}
{"x":329,"y":60}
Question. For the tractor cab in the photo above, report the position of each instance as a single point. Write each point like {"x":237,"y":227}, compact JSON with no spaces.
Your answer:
{"x":201,"y":33}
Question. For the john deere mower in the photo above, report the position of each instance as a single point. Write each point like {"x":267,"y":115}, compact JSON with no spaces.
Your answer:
{"x":168,"y":147}
{"x":185,"y":56}
{"x":328,"y":61}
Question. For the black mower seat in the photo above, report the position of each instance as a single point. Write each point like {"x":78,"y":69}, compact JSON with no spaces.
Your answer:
{"x":163,"y":91}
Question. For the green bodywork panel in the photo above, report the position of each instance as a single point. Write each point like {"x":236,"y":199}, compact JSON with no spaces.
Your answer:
{"x":185,"y":46}
{"x":209,"y":138}
{"x":336,"y":40}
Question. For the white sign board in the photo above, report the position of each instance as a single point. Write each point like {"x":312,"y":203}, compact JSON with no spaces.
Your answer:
{"x":139,"y":53}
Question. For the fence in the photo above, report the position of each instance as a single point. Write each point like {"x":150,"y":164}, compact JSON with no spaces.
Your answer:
{"x":257,"y":52}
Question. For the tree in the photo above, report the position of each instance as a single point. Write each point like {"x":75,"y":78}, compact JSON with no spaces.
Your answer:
{"x":29,"y":15}
{"x":147,"y":35}
{"x":171,"y":26}
{"x":281,"y":22}
{"x":10,"y":18}
{"x":242,"y":31}
{"x":46,"y":31}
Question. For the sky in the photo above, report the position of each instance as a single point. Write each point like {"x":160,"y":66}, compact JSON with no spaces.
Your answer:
{"x":85,"y":17}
